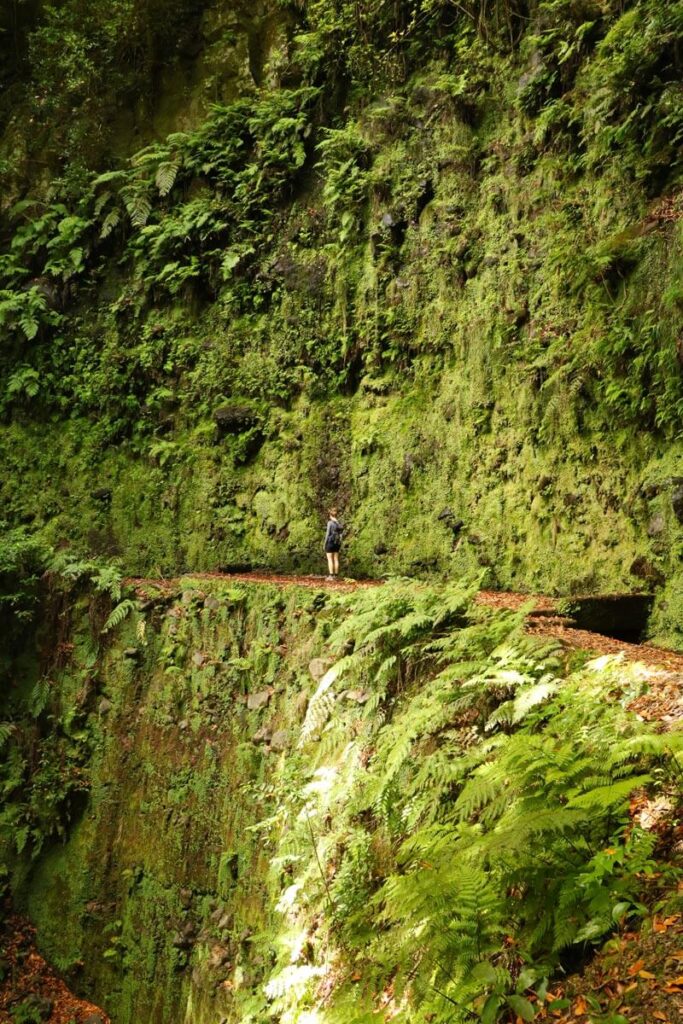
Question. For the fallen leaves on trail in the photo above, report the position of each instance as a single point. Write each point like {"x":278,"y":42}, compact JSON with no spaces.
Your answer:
{"x":508,"y":600}
{"x":341,"y":584}
{"x":663,"y":701}
{"x":29,"y":978}
{"x":636,"y":978}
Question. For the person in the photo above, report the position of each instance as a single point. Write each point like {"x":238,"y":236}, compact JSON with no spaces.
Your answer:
{"x":333,"y":536}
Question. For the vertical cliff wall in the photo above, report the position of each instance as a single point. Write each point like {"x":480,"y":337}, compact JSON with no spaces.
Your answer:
{"x":242,"y":802}
{"x":427,"y":268}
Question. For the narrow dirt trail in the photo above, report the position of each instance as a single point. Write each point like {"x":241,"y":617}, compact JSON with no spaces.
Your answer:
{"x":663,"y":702}
{"x":32,"y":990}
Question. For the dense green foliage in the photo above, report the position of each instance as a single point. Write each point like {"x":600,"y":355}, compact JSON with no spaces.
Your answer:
{"x":430,"y":829}
{"x":428,"y":254}
{"x":422,"y":261}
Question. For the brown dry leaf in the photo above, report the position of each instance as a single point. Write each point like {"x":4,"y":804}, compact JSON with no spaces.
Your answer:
{"x":646,"y":974}
{"x":637,"y":966}
{"x":658,"y":1015}
{"x":579,"y":1005}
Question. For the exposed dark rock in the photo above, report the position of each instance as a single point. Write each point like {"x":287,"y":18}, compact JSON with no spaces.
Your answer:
{"x":407,"y":469}
{"x":104,"y":707}
{"x":318,"y":667}
{"x":235,"y":419}
{"x":262,"y":736}
{"x":199,"y":659}
{"x":656,"y":526}
{"x":189,"y":596}
{"x":380,"y":549}
{"x":165,"y":425}
{"x":279,"y":740}
{"x":677,"y":503}
{"x":212,"y":603}
{"x":622,"y":616}
{"x":258,"y":700}
{"x":643,"y":569}
{"x":449,"y":519}
{"x":236,"y":567}
{"x":102,"y":494}
{"x":650,"y":490}
{"x":425,"y":197}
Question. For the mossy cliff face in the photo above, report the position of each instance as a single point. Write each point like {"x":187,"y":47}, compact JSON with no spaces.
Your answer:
{"x":425,"y":268}
{"x":160,"y":891}
{"x":241,"y":804}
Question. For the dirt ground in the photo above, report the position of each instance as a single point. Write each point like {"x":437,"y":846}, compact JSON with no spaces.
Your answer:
{"x":29,"y":982}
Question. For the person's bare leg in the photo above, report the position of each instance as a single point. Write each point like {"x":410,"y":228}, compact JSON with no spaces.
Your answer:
{"x":335,"y":564}
{"x":330,"y":563}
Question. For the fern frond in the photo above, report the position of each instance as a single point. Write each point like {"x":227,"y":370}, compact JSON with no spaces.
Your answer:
{"x":166,"y":175}
{"x":40,"y":696}
{"x":110,"y":223}
{"x":138,"y":206}
{"x":120,"y":612}
{"x":6,"y":730}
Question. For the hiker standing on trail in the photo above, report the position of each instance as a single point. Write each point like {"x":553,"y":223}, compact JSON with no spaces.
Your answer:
{"x":333,"y":536}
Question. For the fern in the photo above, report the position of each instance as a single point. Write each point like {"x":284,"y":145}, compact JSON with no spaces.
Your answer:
{"x":166,"y":175}
{"x":117,"y":616}
{"x":107,"y":579}
{"x":24,"y":381}
{"x":40,"y":696}
{"x":110,"y":223}
{"x":137,"y":203}
{"x":6,"y":730}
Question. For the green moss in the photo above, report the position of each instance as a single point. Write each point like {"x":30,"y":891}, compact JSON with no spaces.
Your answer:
{"x":240,"y":818}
